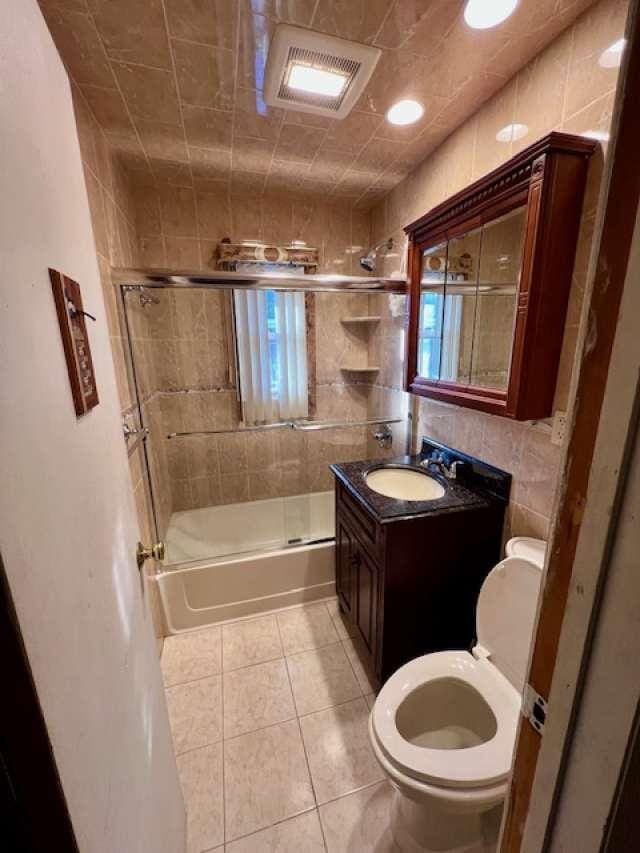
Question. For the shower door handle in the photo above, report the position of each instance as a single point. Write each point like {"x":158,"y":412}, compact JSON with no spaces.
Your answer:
{"x":156,"y":552}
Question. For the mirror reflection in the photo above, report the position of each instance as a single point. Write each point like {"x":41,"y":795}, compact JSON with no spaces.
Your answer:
{"x":469,"y":287}
{"x":499,"y":276}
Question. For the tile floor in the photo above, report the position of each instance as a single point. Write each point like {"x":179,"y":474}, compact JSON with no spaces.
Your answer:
{"x":269,"y":721}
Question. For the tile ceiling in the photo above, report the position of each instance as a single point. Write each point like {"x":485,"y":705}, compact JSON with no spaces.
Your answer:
{"x":176,"y":85}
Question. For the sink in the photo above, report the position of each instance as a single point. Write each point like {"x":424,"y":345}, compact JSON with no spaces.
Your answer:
{"x":405,"y":484}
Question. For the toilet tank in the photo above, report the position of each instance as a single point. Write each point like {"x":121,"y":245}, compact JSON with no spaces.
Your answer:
{"x":528,"y":548}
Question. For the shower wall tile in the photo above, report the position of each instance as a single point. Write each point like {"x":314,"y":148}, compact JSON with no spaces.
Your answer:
{"x":262,"y":451}
{"x":181,"y":498}
{"x":203,"y":455}
{"x":182,"y":355}
{"x":234,"y":488}
{"x":185,"y":250}
{"x":205,"y":491}
{"x":232,"y":453}
{"x":151,"y":252}
{"x":264,"y":485}
{"x":170,"y":219}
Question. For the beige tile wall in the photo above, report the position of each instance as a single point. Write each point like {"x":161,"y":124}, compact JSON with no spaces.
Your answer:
{"x":112,"y":218}
{"x":182,"y":351}
{"x":180,"y":222}
{"x":563,"y":88}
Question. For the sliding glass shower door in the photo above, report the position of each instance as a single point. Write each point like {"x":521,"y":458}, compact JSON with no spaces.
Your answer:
{"x":248,"y":401}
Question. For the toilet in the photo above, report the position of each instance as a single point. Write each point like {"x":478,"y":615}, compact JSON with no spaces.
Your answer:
{"x":443,"y":726}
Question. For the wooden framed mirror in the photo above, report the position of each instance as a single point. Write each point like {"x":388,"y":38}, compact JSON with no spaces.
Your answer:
{"x":490,"y":273}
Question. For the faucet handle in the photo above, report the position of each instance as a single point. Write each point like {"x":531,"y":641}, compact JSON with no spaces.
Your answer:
{"x":453,"y":469}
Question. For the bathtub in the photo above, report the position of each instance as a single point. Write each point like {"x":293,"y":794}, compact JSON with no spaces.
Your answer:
{"x":243,"y":568}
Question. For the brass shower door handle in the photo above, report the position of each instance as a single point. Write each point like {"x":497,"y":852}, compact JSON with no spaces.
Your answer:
{"x":155,"y":552}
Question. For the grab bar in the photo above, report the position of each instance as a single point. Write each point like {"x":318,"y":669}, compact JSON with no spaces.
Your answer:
{"x":258,"y":428}
{"x":312,"y":426}
{"x":301,"y":426}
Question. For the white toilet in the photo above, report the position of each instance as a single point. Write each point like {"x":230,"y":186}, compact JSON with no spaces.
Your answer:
{"x":443,"y":727}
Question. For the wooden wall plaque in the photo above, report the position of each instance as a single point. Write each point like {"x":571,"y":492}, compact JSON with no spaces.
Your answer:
{"x":71,"y":317}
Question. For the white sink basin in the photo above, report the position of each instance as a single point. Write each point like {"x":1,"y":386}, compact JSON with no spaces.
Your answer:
{"x":404,"y":484}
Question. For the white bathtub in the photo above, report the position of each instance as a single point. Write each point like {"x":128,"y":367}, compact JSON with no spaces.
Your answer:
{"x":231,"y":529}
{"x":246,"y":570}
{"x":195,"y":596}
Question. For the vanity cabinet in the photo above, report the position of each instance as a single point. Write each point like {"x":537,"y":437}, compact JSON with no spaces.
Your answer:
{"x":409,"y":584}
{"x":490,"y":274}
{"x":357,"y":582}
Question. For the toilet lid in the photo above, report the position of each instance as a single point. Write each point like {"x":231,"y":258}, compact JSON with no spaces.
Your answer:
{"x":530,"y":549}
{"x":505,"y":615}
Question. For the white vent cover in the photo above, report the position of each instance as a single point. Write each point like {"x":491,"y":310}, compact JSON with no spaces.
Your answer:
{"x":294,"y":51}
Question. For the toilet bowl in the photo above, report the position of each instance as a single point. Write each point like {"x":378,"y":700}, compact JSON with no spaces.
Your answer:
{"x":443,"y":726}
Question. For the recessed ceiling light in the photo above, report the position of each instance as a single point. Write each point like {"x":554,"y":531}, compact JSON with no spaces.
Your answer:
{"x":483,"y":14}
{"x":598,"y":135}
{"x":405,"y":112}
{"x":511,"y":132}
{"x":612,"y":56}
{"x":318,"y":81}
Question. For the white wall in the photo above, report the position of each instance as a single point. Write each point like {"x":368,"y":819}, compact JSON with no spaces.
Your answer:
{"x":67,"y":519}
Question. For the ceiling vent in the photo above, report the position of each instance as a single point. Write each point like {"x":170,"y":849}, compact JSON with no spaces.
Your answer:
{"x":316,"y":73}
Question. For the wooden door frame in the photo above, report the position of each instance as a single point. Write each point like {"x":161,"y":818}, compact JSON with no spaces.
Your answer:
{"x":579,"y":487}
{"x":34,"y":804}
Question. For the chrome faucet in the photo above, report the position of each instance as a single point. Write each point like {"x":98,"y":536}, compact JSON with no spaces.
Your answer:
{"x":438,"y":461}
{"x":384,"y":436}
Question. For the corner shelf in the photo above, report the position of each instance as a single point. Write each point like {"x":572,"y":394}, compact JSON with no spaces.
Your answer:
{"x":372,"y":369}
{"x":371,"y":319}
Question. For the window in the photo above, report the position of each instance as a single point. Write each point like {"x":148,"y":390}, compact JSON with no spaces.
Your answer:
{"x":271,"y":339}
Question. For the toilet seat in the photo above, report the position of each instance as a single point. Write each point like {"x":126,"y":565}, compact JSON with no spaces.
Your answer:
{"x":484,"y":765}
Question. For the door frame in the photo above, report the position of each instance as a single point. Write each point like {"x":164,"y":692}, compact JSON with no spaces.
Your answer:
{"x":589,"y":493}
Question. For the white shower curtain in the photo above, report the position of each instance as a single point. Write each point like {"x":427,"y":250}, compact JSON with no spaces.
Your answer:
{"x":273,"y":378}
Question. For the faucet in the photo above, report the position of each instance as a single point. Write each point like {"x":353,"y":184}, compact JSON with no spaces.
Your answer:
{"x":384,"y":436}
{"x":438,"y":461}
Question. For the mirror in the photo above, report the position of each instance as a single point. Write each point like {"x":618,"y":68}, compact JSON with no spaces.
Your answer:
{"x":490,"y":271}
{"x":499,"y":276}
{"x":468,"y":292}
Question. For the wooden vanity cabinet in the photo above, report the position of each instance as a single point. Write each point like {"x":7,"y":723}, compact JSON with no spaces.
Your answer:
{"x":410,"y":585}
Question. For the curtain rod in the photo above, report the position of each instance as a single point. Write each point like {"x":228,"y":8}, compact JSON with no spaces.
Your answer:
{"x":131,"y":278}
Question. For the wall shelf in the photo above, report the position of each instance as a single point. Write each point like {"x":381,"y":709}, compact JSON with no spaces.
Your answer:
{"x":371,"y":369}
{"x":363,"y":320}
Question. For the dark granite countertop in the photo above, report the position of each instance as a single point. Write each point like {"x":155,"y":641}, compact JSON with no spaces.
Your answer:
{"x":479,"y":486}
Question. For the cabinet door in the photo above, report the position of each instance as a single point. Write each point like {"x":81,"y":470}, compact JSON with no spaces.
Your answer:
{"x":366,"y":619}
{"x":346,"y":568}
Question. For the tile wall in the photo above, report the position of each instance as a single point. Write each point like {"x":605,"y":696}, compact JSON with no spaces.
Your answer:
{"x":563,"y":88}
{"x":180,"y":221}
{"x":113,"y":222}
{"x":183,"y":353}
